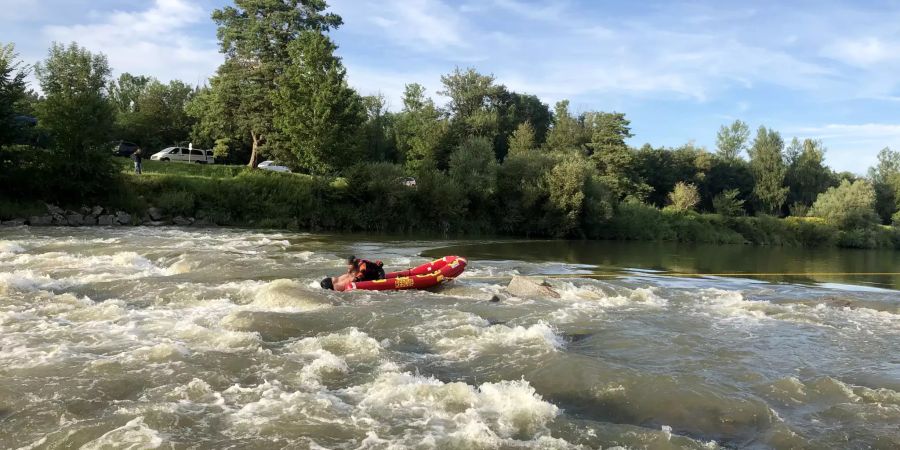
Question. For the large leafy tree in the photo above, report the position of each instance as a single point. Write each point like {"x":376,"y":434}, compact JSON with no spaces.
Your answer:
{"x":567,"y":132}
{"x":806,"y":176}
{"x":885,"y":177}
{"x":849,"y":205}
{"x":421,"y":131}
{"x":732,"y":140}
{"x":615,"y":161}
{"x":768,"y":168}
{"x":378,"y":130}
{"x":255,"y":35}
{"x":317,"y":112}
{"x":76,"y":111}
{"x":12,"y":91}
{"x":149,"y":112}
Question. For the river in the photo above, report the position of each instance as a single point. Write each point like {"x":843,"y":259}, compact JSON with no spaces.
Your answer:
{"x":171,"y":338}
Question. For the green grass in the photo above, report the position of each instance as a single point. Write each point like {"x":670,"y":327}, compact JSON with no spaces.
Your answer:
{"x":181,"y":168}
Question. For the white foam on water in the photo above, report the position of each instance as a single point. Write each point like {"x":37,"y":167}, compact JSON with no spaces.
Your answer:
{"x":133,"y":435}
{"x":287,"y":294}
{"x":8,"y":248}
{"x":465,"y":336}
{"x":454,"y":414}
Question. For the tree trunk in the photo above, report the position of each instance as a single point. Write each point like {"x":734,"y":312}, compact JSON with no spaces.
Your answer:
{"x":254,"y":154}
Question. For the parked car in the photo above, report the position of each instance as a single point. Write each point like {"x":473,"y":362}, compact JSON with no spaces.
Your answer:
{"x":123,"y":148}
{"x":270,"y":165}
{"x":183,"y":154}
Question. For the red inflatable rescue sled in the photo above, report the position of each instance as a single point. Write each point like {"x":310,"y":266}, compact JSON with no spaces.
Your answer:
{"x":422,"y":277}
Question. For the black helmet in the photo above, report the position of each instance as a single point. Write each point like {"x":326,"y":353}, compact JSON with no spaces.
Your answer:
{"x":327,"y":283}
{"x":351,"y":260}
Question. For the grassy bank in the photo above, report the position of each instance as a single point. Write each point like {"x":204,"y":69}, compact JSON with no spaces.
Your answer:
{"x":237,"y":196}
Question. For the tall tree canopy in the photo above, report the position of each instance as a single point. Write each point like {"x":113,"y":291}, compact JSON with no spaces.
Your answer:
{"x":151,"y":113}
{"x":885,"y":176}
{"x":255,"y":35}
{"x":767,"y":165}
{"x":806,"y":175}
{"x":318,"y":113}
{"x":12,"y":91}
{"x":76,"y":111}
{"x":731,"y":140}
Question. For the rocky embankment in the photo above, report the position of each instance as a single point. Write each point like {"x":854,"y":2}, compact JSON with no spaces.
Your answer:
{"x":98,"y":215}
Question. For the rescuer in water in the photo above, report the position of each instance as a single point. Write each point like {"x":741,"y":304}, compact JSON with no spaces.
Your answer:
{"x":357,"y":270}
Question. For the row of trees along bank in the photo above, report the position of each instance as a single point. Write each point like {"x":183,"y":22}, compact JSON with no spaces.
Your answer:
{"x":489,"y":160}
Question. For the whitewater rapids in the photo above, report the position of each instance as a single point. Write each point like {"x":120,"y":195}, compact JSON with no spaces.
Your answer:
{"x":168,"y":338}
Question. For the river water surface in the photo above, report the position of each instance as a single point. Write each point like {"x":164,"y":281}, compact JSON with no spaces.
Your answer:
{"x":168,"y":338}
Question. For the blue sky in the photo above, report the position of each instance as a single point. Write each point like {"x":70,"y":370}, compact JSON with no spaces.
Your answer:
{"x":679,"y":70}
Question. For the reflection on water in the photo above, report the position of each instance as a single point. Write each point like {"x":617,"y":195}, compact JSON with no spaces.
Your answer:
{"x":800,"y":265}
{"x":208,"y":339}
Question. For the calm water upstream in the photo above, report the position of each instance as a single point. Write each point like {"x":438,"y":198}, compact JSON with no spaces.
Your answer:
{"x":167,"y":338}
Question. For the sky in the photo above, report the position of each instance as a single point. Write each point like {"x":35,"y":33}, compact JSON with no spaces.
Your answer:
{"x":824,"y":69}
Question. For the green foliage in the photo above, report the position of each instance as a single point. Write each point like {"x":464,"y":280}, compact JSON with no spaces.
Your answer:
{"x":523,"y":192}
{"x":847,"y":206}
{"x":421,"y":133}
{"x":566,"y":132}
{"x":522,"y":140}
{"x":474,"y":100}
{"x":473,"y":170}
{"x":565,"y":186}
{"x":176,"y":203}
{"x":768,"y":168}
{"x":377,"y":131}
{"x":316,"y":111}
{"x":885,"y":177}
{"x":728,"y":203}
{"x":76,"y":111}
{"x":12,"y":91}
{"x":255,"y":36}
{"x":731,"y":140}
{"x":806,"y":174}
{"x":150,"y":113}
{"x":684,"y":197}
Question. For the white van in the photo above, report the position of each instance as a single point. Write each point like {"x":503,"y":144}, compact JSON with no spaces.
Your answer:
{"x":183,"y":154}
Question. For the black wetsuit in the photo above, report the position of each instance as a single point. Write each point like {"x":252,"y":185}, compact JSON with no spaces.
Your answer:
{"x":369,"y":270}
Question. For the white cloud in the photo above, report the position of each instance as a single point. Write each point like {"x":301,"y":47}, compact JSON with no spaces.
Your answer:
{"x":864,"y":51}
{"x":420,"y":25}
{"x":156,"y":41}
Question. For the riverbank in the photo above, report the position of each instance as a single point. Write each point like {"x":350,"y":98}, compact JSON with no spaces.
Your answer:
{"x":216,"y":195}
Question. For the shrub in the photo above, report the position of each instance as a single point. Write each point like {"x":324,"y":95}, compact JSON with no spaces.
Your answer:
{"x":728,"y":203}
{"x":176,"y":203}
{"x":848,"y":206}
{"x":684,"y":197}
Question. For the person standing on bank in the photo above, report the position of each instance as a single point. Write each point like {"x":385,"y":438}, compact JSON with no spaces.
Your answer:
{"x":137,"y":156}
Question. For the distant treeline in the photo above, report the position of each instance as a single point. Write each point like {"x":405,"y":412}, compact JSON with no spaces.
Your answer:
{"x":489,"y":160}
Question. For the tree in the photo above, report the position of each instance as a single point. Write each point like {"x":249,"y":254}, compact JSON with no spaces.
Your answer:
{"x":684,"y":197}
{"x":378,"y":140}
{"x":732,"y":140}
{"x":885,"y":177}
{"x":12,"y":91}
{"x":421,"y":132}
{"x":255,"y":35}
{"x":76,"y":110}
{"x":847,"y":206}
{"x":473,"y":169}
{"x":566,"y":132}
{"x":317,"y":112}
{"x":151,"y":113}
{"x":615,"y":161}
{"x":523,"y":193}
{"x":566,"y":185}
{"x":806,"y":176}
{"x":768,"y":168}
{"x":522,"y":140}
{"x":728,"y":203}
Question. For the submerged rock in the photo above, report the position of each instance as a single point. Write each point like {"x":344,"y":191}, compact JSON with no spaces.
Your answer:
{"x":527,"y":287}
